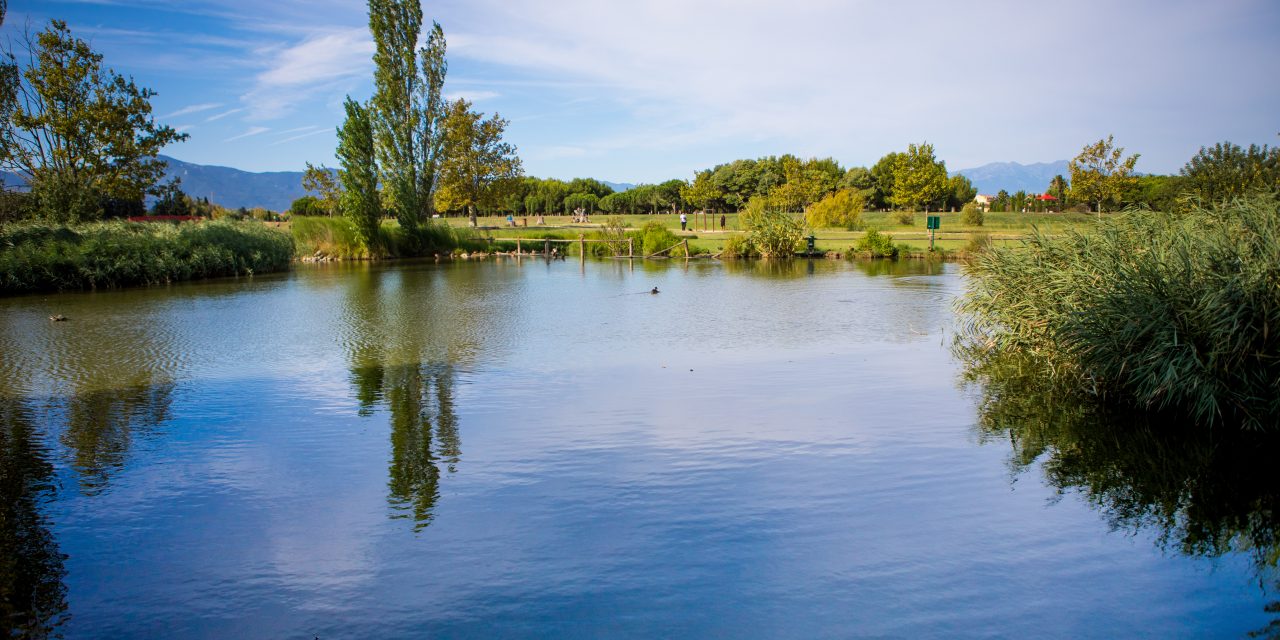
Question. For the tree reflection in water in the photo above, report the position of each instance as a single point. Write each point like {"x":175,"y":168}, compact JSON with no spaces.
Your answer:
{"x":1203,"y":492}
{"x":401,"y":355}
{"x":32,"y":596}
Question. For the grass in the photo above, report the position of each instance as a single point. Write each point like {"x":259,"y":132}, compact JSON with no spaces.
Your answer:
{"x":954,"y":237}
{"x":1162,"y":312}
{"x":43,"y":257}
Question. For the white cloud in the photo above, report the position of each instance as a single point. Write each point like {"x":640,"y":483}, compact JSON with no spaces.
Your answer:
{"x":306,"y":71}
{"x":195,"y":108}
{"x":251,"y":131}
{"x":219,"y":116}
{"x":471,"y":95}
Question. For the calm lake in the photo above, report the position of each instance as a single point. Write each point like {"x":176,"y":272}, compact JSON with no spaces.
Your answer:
{"x":531,"y":449}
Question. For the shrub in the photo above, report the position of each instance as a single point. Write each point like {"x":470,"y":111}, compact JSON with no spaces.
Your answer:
{"x":1151,"y":310}
{"x":905,"y":218}
{"x":332,"y":237}
{"x":840,"y":209}
{"x":971,"y":215}
{"x":876,"y":245}
{"x":978,"y":243}
{"x":736,"y":247}
{"x":654,"y":237}
{"x":614,"y":234}
{"x":772,"y":233}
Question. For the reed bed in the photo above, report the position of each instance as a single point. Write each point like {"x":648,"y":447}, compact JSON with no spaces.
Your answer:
{"x":46,"y":257}
{"x":1162,"y":312}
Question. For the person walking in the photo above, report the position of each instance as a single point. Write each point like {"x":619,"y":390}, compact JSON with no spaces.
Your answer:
{"x":684,"y":221}
{"x":722,"y":222}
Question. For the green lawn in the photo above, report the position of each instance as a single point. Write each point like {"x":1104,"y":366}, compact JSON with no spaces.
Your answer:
{"x":999,"y":227}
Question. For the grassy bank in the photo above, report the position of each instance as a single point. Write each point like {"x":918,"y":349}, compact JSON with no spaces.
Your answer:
{"x":1177,"y":313}
{"x":42,"y":257}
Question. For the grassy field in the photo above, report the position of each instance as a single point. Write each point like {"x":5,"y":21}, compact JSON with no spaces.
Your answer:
{"x":1000,"y":228}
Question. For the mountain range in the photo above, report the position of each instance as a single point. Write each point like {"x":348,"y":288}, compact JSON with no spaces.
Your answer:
{"x":275,"y":190}
{"x":1014,"y":177}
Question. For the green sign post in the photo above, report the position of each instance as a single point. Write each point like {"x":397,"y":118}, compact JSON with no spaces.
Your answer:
{"x":932,"y":223}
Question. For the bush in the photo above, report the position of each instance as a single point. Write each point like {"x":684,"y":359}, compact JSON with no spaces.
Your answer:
{"x":41,"y":257}
{"x":905,"y":218}
{"x":330,"y":237}
{"x":978,"y":243}
{"x":654,"y":238}
{"x":840,"y":209}
{"x":971,"y":214}
{"x":771,"y":233}
{"x":65,"y":199}
{"x":1151,"y":310}
{"x":737,"y":247}
{"x":876,"y":245}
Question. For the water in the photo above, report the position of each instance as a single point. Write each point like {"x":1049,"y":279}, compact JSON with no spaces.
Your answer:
{"x":524,"y":449}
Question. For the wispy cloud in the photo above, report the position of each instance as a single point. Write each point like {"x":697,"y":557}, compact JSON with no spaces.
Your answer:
{"x":252,"y":131}
{"x":218,"y":116}
{"x":303,"y":135}
{"x":195,"y":108}
{"x":300,"y":73}
{"x":471,"y":96}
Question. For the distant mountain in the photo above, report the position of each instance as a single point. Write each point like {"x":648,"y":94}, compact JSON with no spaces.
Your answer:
{"x":1014,"y":177}
{"x":233,"y":188}
{"x":619,"y":186}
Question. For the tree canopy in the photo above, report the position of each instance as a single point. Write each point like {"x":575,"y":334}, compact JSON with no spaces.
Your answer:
{"x":80,"y":134}
{"x":1101,"y":173}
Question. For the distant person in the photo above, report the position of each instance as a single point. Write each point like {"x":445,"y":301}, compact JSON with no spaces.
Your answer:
{"x":722,"y":222}
{"x":511,"y":221}
{"x":684,"y":221}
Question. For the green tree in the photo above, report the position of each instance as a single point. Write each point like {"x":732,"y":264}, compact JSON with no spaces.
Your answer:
{"x":358,"y":172}
{"x":1101,"y":173}
{"x":322,"y":182}
{"x":960,"y":191}
{"x":1225,"y":171}
{"x":82,"y":136}
{"x":477,"y":165}
{"x":431,"y":112}
{"x":1058,"y":189}
{"x":882,"y":172}
{"x":840,"y":209}
{"x":919,"y":180}
{"x":703,"y":193}
{"x":396,"y":25}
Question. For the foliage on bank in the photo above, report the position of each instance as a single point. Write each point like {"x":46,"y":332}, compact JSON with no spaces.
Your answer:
{"x":1177,"y":313}
{"x":44,"y":257}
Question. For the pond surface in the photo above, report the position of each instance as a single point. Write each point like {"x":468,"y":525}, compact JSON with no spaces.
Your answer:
{"x":532,"y":449}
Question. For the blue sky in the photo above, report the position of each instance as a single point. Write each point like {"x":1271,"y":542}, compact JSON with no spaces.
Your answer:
{"x":647,"y":90}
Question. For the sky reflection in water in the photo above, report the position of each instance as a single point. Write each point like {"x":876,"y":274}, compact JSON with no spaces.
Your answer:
{"x":533,"y":449}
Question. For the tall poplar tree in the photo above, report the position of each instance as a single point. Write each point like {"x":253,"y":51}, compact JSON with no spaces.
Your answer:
{"x":431,"y":112}
{"x":358,"y":171}
{"x":396,"y":25}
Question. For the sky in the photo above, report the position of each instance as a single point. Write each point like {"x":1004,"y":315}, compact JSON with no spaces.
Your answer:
{"x":648,"y":90}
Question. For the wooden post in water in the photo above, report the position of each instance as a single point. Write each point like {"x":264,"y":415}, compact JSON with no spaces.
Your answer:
{"x":631,"y":247}
{"x":686,"y":249}
{"x":582,"y":248}
{"x":517,"y":247}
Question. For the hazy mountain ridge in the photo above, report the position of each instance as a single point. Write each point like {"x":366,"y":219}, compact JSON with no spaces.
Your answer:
{"x":1012,"y":176}
{"x":276,"y":190}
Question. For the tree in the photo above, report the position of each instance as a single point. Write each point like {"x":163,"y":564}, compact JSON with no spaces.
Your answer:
{"x":919,"y":180}
{"x":82,"y":136}
{"x":322,"y":182}
{"x":840,"y":209}
{"x":477,"y":165}
{"x":882,"y":172}
{"x":1058,"y":189}
{"x":358,"y":172}
{"x":960,"y":191}
{"x":395,"y":25}
{"x":1225,"y":171}
{"x":431,"y":111}
{"x":1100,"y":173}
{"x":703,"y":193}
